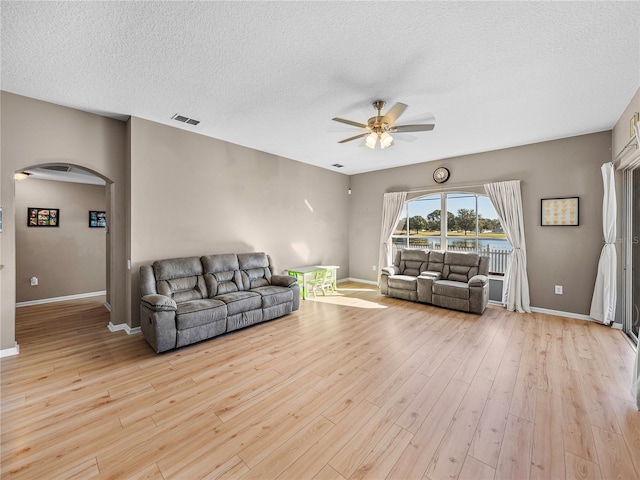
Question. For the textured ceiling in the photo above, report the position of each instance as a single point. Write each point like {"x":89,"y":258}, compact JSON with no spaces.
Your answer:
{"x":271,"y":75}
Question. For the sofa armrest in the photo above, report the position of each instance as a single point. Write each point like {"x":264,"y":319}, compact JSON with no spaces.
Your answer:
{"x":478,"y":281}
{"x":383,"y":281}
{"x":392,"y":270}
{"x":433,"y":275}
{"x":283,"y":280}
{"x":478,"y":293}
{"x":159,"y":303}
{"x":424,"y":287}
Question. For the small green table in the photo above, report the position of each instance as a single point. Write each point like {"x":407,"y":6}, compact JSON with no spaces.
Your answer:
{"x":301,"y":274}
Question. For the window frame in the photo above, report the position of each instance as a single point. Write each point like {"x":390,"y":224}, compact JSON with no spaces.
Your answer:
{"x":443,"y":237}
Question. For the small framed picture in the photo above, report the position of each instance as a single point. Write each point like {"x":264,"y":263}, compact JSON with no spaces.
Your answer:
{"x":97,"y":219}
{"x":560,"y":212}
{"x":43,"y":217}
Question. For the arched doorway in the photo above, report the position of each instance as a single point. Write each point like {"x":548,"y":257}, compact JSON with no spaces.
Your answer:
{"x":80,"y":189}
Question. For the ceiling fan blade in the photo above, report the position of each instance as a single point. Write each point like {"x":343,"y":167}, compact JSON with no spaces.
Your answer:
{"x":349,"y":122}
{"x":405,"y":137}
{"x":394,"y":113}
{"x":413,"y":128}
{"x":360,"y":135}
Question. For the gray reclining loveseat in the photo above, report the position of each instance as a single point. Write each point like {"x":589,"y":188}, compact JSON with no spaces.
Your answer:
{"x":186,"y":300}
{"x":456,"y":280}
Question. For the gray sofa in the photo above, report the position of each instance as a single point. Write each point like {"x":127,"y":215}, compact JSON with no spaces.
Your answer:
{"x":186,"y":300}
{"x":456,"y":280}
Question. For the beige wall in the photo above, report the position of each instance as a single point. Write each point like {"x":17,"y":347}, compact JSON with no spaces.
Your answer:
{"x":36,"y":133}
{"x":69,"y":259}
{"x":195,"y":195}
{"x":566,"y":256}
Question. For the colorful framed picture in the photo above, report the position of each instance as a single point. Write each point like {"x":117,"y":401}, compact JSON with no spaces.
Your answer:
{"x":43,"y":217}
{"x":560,"y":212}
{"x":97,"y":219}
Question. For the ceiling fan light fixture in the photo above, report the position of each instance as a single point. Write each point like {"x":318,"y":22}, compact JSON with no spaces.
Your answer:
{"x":381,"y":126}
{"x":21,"y":175}
{"x":386,"y":140}
{"x":371,"y":140}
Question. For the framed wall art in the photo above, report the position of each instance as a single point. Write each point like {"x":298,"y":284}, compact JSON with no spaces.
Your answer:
{"x":43,"y":217}
{"x":561,"y":212}
{"x":97,"y":219}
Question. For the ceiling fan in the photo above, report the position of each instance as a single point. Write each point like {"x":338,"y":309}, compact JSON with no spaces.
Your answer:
{"x":380,"y":127}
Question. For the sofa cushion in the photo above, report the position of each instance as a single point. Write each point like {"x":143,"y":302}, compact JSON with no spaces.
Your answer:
{"x":436,"y":261}
{"x":256,"y":270}
{"x":460,"y":266}
{"x":177,"y":268}
{"x":274,"y":295}
{"x":413,"y":261}
{"x":222,"y":274}
{"x":183,"y":289}
{"x":195,"y":313}
{"x":180,"y":279}
{"x":239,"y":302}
{"x":412,"y":267}
{"x":450,"y":288}
{"x":467,"y":259}
{"x":459,"y":273}
{"x":403,"y":282}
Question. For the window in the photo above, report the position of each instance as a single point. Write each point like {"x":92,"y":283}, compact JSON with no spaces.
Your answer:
{"x":470,"y":223}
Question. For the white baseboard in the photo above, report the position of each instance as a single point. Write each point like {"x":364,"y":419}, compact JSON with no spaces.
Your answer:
{"x":60,"y":299}
{"x":107,"y":305}
{"x":617,"y":326}
{"x":359,"y":280}
{"x":123,"y":326}
{"x":559,"y":313}
{"x":8,"y":352}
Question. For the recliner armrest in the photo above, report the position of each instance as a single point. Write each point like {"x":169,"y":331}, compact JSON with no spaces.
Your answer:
{"x":283,"y":280}
{"x":434,"y":275}
{"x":159,"y":303}
{"x":392,"y":270}
{"x":478,"y":281}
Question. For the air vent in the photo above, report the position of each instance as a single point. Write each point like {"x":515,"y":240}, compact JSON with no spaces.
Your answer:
{"x":337,"y":165}
{"x":58,"y":168}
{"x":183,"y":119}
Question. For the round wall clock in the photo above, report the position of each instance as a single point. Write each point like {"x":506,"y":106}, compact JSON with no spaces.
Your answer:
{"x":441,"y":174}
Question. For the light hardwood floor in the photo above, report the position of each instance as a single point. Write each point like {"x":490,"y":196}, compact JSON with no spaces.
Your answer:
{"x":351,"y":386}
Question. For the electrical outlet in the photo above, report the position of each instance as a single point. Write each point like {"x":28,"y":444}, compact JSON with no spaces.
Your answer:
{"x":33,"y":281}
{"x":558,"y":290}
{"x":374,"y":268}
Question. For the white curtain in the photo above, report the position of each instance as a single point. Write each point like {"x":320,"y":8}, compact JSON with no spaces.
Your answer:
{"x":391,"y":210}
{"x":603,"y":302}
{"x":507,"y":200}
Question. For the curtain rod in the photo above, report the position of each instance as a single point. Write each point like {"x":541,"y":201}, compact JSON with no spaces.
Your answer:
{"x":457,"y":187}
{"x":623,"y":151}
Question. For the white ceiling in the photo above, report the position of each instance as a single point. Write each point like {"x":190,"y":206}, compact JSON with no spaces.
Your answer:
{"x":271,"y":75}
